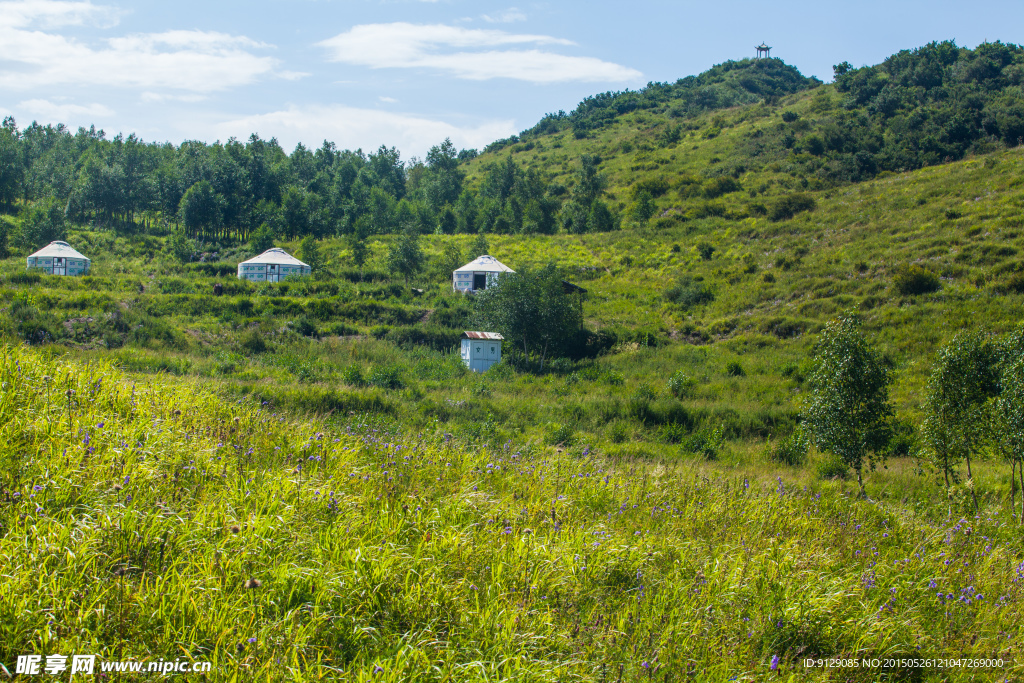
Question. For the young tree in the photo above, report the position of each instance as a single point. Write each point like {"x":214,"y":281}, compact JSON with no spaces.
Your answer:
{"x":446,"y":179}
{"x":44,"y":224}
{"x":357,"y":243}
{"x":309,"y":250}
{"x":200,"y":209}
{"x":448,"y":261}
{"x":479,"y":247}
{"x":849,"y":412}
{"x":1008,"y":411}
{"x":964,"y":378}
{"x":405,"y":256}
{"x":11,"y":169}
{"x":1009,"y":424}
{"x":262,"y":239}
{"x":531,"y":309}
{"x":181,"y":246}
{"x":643,"y":207}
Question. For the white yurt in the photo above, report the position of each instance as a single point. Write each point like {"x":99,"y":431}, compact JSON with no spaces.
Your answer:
{"x":480,"y":273}
{"x":59,"y":258}
{"x":273,"y":265}
{"x":481,"y":350}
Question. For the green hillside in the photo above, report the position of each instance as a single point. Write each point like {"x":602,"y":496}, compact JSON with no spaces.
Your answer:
{"x":302,"y":480}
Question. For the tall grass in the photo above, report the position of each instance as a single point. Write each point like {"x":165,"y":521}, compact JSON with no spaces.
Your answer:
{"x":152,"y":519}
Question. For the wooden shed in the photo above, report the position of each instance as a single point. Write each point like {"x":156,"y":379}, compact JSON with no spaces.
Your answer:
{"x":481,"y":350}
{"x":273,"y":265}
{"x":480,"y":273}
{"x":59,"y":258}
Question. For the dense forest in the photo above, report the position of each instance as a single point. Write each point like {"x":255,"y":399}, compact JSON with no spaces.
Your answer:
{"x":920,"y":107}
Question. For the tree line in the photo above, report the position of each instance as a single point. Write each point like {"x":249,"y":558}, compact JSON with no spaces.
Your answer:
{"x":255,"y":191}
{"x":974,"y":406}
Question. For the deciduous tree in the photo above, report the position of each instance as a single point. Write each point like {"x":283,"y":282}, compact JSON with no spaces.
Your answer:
{"x":849,"y":412}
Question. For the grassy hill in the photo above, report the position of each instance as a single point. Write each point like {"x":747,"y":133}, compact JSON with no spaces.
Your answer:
{"x":732,"y":304}
{"x":302,"y":481}
{"x":149,"y":519}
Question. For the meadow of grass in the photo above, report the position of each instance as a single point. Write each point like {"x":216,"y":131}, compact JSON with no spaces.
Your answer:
{"x":149,"y":518}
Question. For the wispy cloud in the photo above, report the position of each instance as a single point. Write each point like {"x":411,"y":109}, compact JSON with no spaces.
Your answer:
{"x":35,"y":55}
{"x":53,"y":14}
{"x":512,"y":14}
{"x":49,"y":111}
{"x":404,"y":45}
{"x":389,"y":100}
{"x":352,"y":128}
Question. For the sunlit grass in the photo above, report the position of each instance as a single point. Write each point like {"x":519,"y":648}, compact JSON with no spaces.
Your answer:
{"x":137,"y":512}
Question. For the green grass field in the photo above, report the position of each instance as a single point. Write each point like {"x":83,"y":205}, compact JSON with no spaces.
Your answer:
{"x":150,"y":519}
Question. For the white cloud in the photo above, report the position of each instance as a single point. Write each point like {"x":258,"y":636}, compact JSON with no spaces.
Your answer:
{"x":193,"y":61}
{"x":53,"y":14}
{"x":404,"y":45}
{"x":48,"y":111}
{"x":389,"y":100}
{"x":368,"y":129}
{"x":508,"y":16}
{"x":157,"y":97}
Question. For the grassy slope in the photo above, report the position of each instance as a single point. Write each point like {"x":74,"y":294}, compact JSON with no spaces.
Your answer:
{"x":135,"y":512}
{"x":853,"y":240}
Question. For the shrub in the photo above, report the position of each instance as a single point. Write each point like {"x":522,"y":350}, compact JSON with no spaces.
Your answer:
{"x":734,"y":369}
{"x":305,"y":327}
{"x":341,"y":330}
{"x":25,"y":277}
{"x":680,"y":385}
{"x":386,"y":377}
{"x":910,"y":279}
{"x":705,"y":442}
{"x":254,"y":343}
{"x":716,"y":187}
{"x":653,"y":186}
{"x":618,"y":431}
{"x":833,"y":467}
{"x":352,"y":375}
{"x":673,"y":433}
{"x":705,"y":250}
{"x":790,"y":116}
{"x":790,"y":205}
{"x":689,"y":292}
{"x":560,"y":435}
{"x":790,"y":451}
{"x":1016,"y":283}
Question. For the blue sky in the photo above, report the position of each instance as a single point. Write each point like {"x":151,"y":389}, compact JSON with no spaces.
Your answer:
{"x":409,"y":73}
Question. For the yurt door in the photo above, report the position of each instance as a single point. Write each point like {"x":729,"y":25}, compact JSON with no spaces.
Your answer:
{"x":59,"y":266}
{"x":479,"y":281}
{"x":272,"y":273}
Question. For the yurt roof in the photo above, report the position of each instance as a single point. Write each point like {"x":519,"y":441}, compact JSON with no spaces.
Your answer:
{"x":487,"y":264}
{"x":489,"y":336}
{"x":58,"y":249}
{"x":276,"y":256}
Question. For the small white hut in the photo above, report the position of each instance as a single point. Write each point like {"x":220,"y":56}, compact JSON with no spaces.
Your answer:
{"x":481,"y":350}
{"x":58,"y":258}
{"x":273,"y":265}
{"x":480,"y":273}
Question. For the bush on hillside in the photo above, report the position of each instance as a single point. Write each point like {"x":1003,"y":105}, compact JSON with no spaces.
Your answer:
{"x":716,"y":187}
{"x":689,"y":292}
{"x":786,"y":207}
{"x":911,"y":279}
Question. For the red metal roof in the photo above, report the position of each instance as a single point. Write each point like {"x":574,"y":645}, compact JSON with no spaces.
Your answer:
{"x":490,"y":336}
